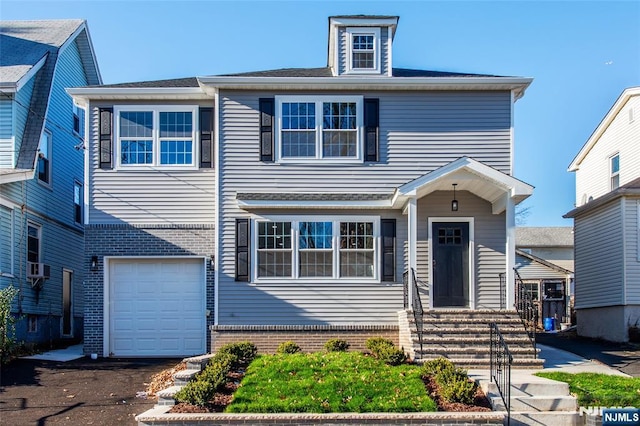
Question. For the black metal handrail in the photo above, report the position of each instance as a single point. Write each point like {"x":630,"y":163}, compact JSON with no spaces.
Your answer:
{"x":500,"y":367}
{"x":416,"y":307}
{"x":527,"y":310}
{"x":503,"y":291}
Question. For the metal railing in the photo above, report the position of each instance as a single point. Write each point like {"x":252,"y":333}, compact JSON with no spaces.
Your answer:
{"x":415,"y":304}
{"x":500,"y":367}
{"x":503,"y":291}
{"x":527,"y":310}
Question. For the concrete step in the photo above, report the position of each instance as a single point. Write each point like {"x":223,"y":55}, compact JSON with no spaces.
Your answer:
{"x":472,"y":320}
{"x":198,"y":362}
{"x":533,"y":387}
{"x":479,"y":331}
{"x":511,"y":340}
{"x":476,"y":351}
{"x":555,"y":418}
{"x":480,"y":363}
{"x":536,"y":403}
{"x":181,"y":378}
{"x":165,"y":396}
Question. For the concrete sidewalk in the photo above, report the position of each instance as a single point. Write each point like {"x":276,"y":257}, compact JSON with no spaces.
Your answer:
{"x":60,"y":355}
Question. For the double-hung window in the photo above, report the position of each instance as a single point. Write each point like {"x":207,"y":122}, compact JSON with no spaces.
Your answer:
{"x":614,"y":166}
{"x":317,"y":247}
{"x":364,"y":50}
{"x":156,"y":136}
{"x":325,"y":128}
{"x":44,"y":158}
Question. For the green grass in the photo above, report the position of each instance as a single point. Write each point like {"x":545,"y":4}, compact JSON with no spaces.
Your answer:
{"x":329,"y":382}
{"x":601,"y":390}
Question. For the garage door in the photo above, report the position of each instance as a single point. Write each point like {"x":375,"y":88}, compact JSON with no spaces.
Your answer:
{"x":157,"y":307}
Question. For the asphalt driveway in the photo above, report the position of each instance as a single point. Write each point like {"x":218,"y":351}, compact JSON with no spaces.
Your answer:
{"x":79,"y":392}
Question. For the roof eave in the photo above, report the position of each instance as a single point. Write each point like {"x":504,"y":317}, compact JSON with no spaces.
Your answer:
{"x":517,"y":84}
{"x":82,"y":95}
{"x":618,"y":193}
{"x":604,"y":124}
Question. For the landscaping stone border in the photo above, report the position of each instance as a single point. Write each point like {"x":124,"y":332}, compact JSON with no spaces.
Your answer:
{"x":158,"y":416}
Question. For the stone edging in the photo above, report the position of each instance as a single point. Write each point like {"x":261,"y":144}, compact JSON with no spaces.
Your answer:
{"x":159,"y":416}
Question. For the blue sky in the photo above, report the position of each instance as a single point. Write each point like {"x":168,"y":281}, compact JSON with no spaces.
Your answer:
{"x":580,"y":54}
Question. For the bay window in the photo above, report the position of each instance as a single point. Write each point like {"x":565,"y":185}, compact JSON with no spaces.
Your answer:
{"x":323,"y":128}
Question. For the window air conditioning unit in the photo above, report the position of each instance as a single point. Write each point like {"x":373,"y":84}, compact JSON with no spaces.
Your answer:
{"x":38,"y":270}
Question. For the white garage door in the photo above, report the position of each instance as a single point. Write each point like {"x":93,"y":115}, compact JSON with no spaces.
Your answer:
{"x":157,"y":307}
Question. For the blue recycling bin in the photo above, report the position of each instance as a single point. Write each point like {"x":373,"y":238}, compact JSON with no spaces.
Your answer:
{"x":549,"y":324}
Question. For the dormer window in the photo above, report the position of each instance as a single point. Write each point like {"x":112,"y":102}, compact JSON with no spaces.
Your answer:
{"x":364,"y":50}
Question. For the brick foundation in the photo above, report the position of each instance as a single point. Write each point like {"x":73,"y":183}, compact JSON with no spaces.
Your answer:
{"x":310,"y":338}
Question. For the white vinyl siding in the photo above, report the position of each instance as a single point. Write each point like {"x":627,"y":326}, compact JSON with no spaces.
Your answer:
{"x":599,"y":252}
{"x":593,"y":178}
{"x":148,"y":196}
{"x":632,"y":250}
{"x":530,"y":269}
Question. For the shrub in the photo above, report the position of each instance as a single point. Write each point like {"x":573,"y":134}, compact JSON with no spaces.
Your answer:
{"x":288,"y":347}
{"x":7,"y":321}
{"x":245,"y":351}
{"x":375,"y":343}
{"x":459,"y":390}
{"x":455,"y":385}
{"x":435,"y":366}
{"x":336,"y":345}
{"x":196,"y":392}
{"x":391,"y":355}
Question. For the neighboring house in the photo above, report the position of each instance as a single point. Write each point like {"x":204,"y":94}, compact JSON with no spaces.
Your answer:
{"x":289,"y":204}
{"x":42,"y":174}
{"x":544,"y":261}
{"x":606,"y":223}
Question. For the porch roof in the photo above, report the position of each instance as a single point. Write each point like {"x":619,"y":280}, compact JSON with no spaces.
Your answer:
{"x":469,"y":175}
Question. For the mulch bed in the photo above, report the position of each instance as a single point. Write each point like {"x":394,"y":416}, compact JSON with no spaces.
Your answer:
{"x":222,"y":399}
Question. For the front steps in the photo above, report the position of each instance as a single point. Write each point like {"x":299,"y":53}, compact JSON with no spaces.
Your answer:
{"x":194,"y":366}
{"x":535,"y":401}
{"x":463,"y":336}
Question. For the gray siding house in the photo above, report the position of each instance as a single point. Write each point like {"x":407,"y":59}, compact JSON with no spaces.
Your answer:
{"x":42,"y":185}
{"x":297,"y":203}
{"x":606,"y":222}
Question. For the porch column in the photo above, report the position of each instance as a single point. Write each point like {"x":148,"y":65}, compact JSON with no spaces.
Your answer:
{"x":510,"y":224}
{"x":412,"y":246}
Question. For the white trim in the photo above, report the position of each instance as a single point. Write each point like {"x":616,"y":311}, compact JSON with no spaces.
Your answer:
{"x":372,"y":31}
{"x":611,"y":173}
{"x":510,"y":254}
{"x":217,"y":210}
{"x":412,"y":235}
{"x":83,"y":94}
{"x":106,"y":305}
{"x":389,"y":71}
{"x":318,"y":101}
{"x":365,"y":21}
{"x":472,"y":265}
{"x":292,"y":204}
{"x":88,"y":149}
{"x":155,"y":137}
{"x":512,"y":135}
{"x":625,"y":271}
{"x":335,"y":249}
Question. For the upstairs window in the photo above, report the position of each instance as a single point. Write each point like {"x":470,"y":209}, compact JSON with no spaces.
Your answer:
{"x":615,"y":171}
{"x":34,"y":233}
{"x":44,"y":158}
{"x":76,"y":119}
{"x":363,"y":50}
{"x":156,"y":137}
{"x":322,"y":129}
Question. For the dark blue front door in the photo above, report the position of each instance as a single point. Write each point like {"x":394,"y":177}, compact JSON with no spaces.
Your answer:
{"x":450,"y":264}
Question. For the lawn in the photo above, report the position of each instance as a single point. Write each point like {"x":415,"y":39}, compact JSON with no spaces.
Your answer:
{"x":329,"y":382}
{"x":600,"y":390}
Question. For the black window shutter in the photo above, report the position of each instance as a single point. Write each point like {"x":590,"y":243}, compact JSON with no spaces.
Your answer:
{"x":106,"y":138}
{"x":242,"y":250}
{"x":267,"y":110}
{"x":371,"y":123}
{"x":388,"y":231}
{"x":206,"y":138}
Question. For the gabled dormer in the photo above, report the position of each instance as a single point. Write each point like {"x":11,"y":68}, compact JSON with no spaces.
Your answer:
{"x":361,"y":44}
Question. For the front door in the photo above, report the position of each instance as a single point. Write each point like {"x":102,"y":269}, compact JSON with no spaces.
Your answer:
{"x":450,"y":264}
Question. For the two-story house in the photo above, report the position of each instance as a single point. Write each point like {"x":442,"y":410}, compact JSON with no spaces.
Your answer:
{"x":606,"y":222}
{"x":42,"y":191}
{"x":290,"y":204}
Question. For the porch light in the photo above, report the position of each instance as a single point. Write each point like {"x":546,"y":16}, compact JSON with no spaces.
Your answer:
{"x":94,"y":263}
{"x":454,"y":202}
